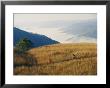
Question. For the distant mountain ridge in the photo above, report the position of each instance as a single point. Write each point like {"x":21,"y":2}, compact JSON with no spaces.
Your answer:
{"x":37,"y":39}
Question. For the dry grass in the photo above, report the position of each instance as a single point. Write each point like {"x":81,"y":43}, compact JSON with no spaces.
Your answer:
{"x":60,"y":59}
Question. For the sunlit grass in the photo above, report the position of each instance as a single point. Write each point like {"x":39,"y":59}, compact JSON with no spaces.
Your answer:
{"x":61,"y":59}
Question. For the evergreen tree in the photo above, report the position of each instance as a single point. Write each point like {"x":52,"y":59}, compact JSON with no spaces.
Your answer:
{"x":23,"y":45}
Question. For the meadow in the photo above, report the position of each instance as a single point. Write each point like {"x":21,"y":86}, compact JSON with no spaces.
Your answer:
{"x":58,"y":59}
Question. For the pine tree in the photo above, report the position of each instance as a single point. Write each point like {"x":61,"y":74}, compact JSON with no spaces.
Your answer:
{"x":23,"y":45}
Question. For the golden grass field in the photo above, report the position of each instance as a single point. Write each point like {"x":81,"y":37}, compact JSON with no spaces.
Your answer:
{"x":58,"y":59}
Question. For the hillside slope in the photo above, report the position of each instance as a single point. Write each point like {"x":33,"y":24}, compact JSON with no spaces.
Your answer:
{"x":37,"y":39}
{"x":62,"y":59}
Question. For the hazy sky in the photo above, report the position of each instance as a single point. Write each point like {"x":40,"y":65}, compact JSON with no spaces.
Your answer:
{"x":52,"y":25}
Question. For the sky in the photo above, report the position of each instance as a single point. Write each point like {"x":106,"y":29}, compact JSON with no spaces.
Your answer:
{"x":65,"y":28}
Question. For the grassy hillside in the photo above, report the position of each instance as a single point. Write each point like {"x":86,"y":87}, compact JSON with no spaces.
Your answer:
{"x":58,"y":59}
